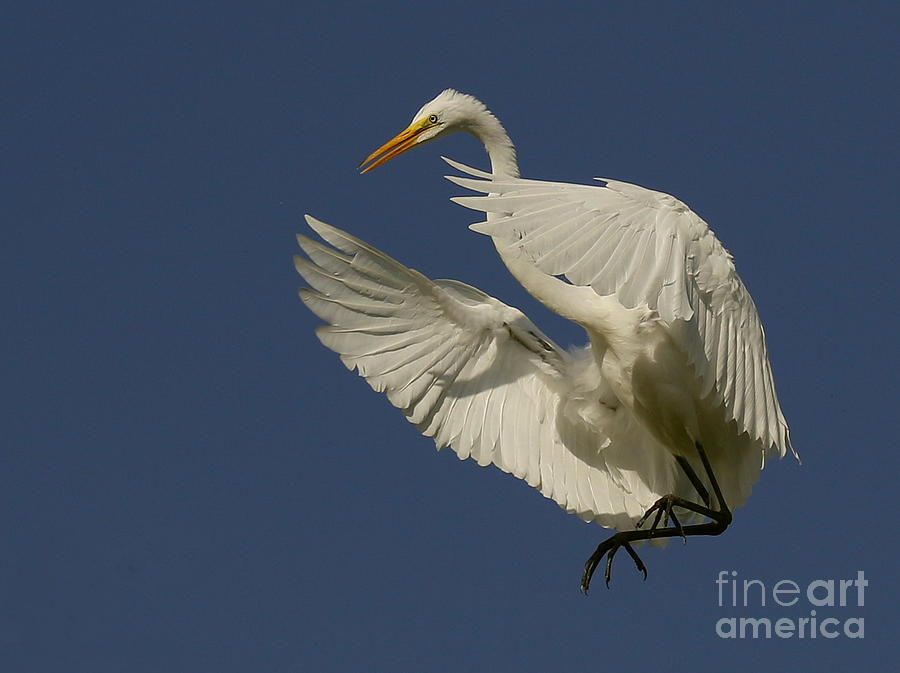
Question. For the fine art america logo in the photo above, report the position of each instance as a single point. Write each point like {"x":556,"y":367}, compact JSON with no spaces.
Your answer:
{"x":818,"y":609}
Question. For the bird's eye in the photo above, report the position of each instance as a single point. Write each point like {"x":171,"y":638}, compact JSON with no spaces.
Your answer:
{"x":432,"y":119}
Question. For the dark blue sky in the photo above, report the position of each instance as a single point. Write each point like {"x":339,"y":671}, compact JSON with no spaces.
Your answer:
{"x":190,"y":482}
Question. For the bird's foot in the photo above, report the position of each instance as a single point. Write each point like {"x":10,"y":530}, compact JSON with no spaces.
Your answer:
{"x":663,"y":508}
{"x":608,"y":548}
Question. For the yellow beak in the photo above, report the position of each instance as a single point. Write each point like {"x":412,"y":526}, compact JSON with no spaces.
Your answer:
{"x":395,"y":146}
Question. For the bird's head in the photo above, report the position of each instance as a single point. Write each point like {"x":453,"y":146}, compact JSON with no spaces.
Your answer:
{"x":447,"y":112}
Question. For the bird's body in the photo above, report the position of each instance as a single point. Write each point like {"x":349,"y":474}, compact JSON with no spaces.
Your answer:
{"x":676,"y":361}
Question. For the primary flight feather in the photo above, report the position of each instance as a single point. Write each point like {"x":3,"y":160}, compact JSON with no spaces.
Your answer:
{"x":668,"y":413}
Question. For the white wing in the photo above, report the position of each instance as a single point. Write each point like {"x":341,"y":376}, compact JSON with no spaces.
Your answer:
{"x":478,"y":376}
{"x":646,"y":248}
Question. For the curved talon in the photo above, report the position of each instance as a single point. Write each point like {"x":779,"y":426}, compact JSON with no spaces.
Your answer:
{"x":663,"y":507}
{"x":719,"y":520}
{"x":650,"y":510}
{"x":609,"y":548}
{"x":589,"y":568}
{"x":634,"y":557}
{"x":607,"y":573}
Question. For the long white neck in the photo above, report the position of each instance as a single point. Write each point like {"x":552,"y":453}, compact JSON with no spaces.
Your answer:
{"x":557,"y":295}
{"x":488,"y":129}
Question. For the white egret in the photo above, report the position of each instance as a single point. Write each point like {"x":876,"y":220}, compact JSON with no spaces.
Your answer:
{"x":671,"y":401}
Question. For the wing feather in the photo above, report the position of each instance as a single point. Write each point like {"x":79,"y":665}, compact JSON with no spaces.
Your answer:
{"x":476,"y":375}
{"x":648,"y":249}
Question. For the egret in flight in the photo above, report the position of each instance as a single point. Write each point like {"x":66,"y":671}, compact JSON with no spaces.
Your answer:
{"x":657,"y":428}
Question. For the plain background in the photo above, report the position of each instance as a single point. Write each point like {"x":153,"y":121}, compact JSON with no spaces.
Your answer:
{"x":190,"y":482}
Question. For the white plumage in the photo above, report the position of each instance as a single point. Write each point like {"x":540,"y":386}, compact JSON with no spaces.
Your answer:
{"x":478,"y":376}
{"x":648,"y":249}
{"x":676,"y":360}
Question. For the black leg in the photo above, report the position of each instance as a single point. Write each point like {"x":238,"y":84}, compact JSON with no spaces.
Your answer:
{"x":719,"y":520}
{"x":695,"y":480}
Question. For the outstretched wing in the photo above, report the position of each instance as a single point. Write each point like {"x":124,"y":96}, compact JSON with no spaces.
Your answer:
{"x":646,"y":248}
{"x":476,"y":375}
